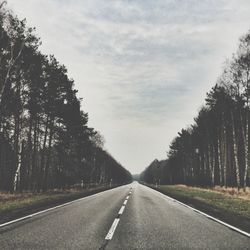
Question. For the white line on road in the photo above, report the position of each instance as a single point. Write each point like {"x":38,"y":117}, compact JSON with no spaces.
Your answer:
{"x":116,"y":221}
{"x":204,"y":214}
{"x":112,"y":229}
{"x":52,"y":208}
{"x":121,"y":210}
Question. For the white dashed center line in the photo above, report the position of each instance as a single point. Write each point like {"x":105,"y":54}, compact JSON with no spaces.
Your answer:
{"x":121,"y":210}
{"x":112,"y":229}
{"x":117,"y":219}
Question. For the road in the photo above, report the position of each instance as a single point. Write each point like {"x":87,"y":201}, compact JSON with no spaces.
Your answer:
{"x":146,"y":220}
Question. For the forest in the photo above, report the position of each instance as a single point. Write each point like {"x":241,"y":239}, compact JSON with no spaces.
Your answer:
{"x":45,"y":140}
{"x":214,"y":150}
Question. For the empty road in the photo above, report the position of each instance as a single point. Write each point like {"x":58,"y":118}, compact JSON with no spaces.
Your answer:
{"x":127,"y":217}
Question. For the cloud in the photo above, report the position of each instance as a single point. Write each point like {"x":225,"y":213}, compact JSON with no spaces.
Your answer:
{"x":143,"y":67}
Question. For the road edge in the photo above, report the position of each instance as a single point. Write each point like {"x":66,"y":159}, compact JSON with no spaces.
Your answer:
{"x":200,"y":212}
{"x":7,"y":223}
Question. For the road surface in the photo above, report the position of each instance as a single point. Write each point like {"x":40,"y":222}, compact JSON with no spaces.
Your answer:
{"x":127,"y":217}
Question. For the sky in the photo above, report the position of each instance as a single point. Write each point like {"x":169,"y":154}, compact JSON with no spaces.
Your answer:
{"x":142,"y":67}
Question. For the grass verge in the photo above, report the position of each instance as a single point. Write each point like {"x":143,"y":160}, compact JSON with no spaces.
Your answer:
{"x":13,"y":206}
{"x":231,"y":209}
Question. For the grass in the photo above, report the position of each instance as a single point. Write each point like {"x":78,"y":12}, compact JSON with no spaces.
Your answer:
{"x":13,"y":206}
{"x":227,"y":205}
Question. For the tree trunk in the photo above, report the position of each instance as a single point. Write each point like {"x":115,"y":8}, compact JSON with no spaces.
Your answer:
{"x":17,"y":173}
{"x":29,"y":154}
{"x":34,"y":156}
{"x":246,"y":137}
{"x":235,"y":152}
{"x":246,"y":152}
{"x":41,"y":174}
{"x":225,"y":163}
{"x":212,"y":163}
{"x":47,"y":165}
{"x":219,"y":161}
{"x":225,"y":153}
{"x":17,"y":144}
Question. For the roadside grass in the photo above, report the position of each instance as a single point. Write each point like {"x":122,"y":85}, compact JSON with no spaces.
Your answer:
{"x":231,"y":207}
{"x":13,"y":206}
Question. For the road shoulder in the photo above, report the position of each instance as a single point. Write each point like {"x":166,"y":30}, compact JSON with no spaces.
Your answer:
{"x":25,"y":204}
{"x":210,"y":207}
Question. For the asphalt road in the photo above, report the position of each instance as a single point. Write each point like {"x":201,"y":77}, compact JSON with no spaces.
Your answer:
{"x":137,"y":218}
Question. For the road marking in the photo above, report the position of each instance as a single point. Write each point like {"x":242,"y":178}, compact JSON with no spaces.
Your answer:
{"x":112,"y":229}
{"x":202,"y":213}
{"x":115,"y":223}
{"x":52,"y":208}
{"x":121,"y":210}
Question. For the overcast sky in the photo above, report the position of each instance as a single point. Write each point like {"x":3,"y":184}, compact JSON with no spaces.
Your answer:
{"x":142,"y":67}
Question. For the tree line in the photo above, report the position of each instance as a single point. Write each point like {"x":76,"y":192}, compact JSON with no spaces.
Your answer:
{"x":45,"y":141}
{"x":214,"y":150}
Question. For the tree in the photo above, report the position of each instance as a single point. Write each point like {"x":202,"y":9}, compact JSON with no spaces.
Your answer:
{"x":45,"y":140}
